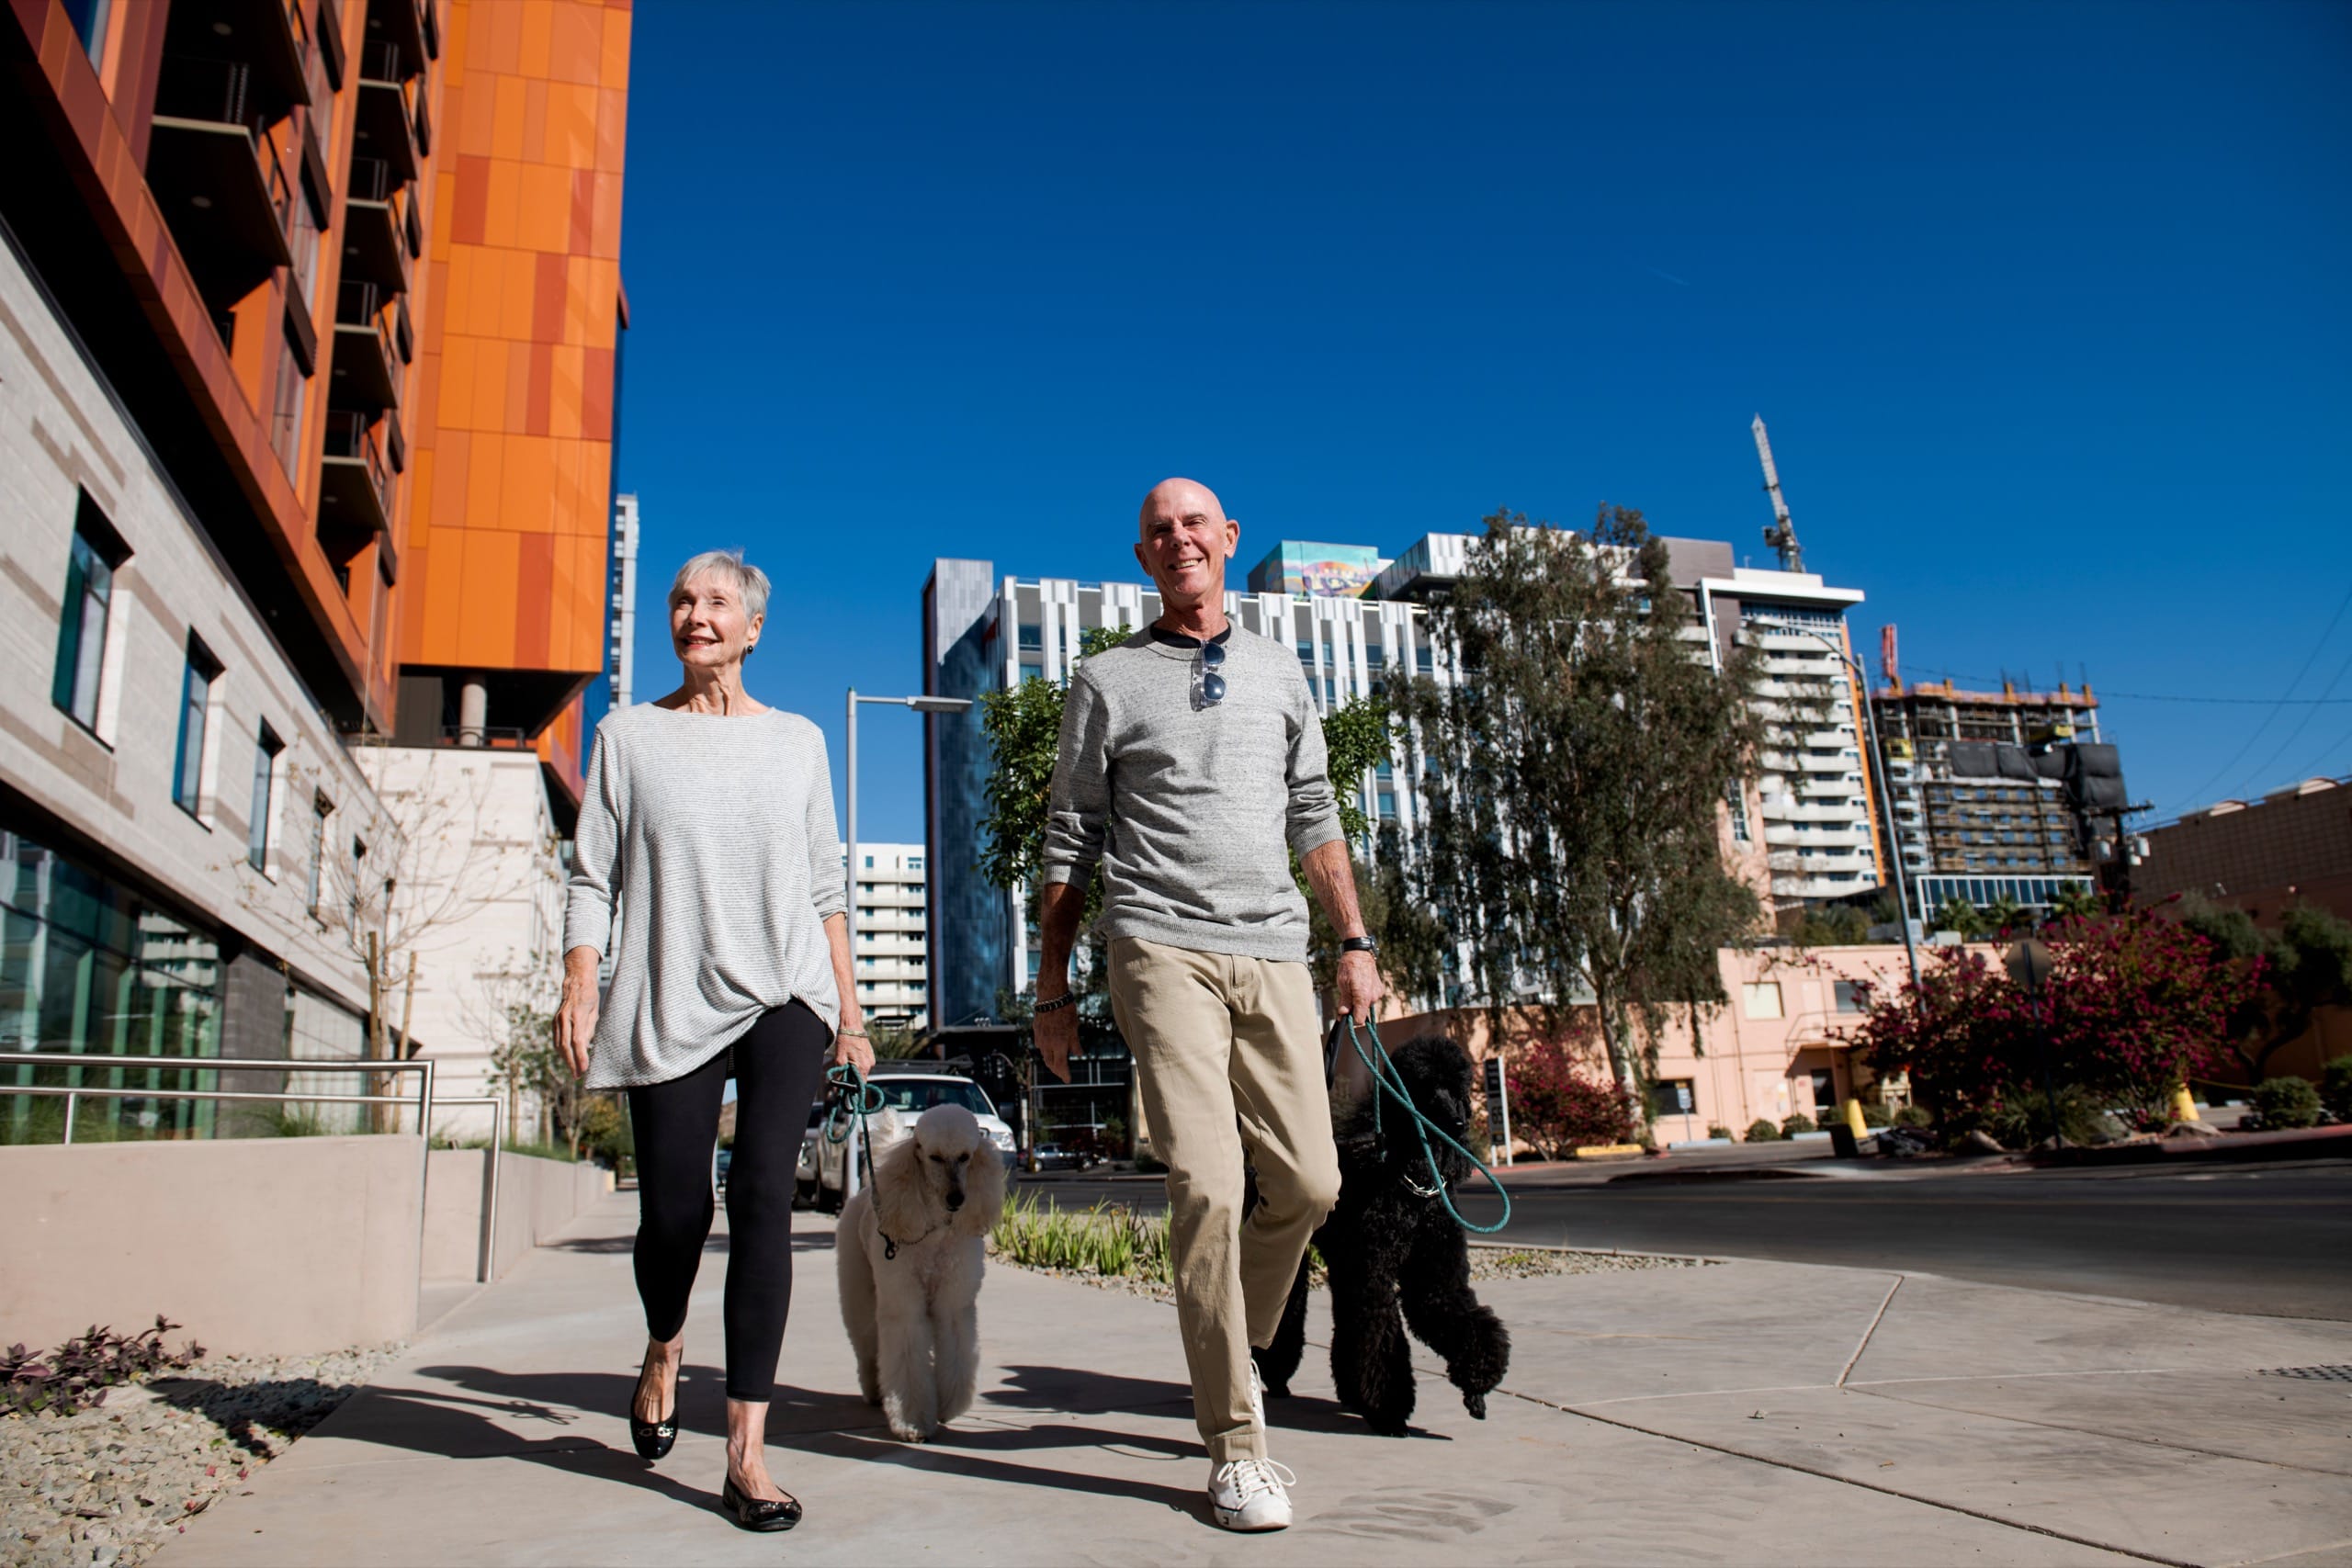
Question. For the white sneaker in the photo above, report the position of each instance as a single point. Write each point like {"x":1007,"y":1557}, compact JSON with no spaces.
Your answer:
{"x":1250,"y":1494}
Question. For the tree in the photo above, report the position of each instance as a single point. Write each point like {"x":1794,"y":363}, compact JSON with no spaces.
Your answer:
{"x":1580,"y":755}
{"x":2076,"y":902}
{"x":1838,"y":925}
{"x":1557,"y":1106}
{"x":1959,"y":917}
{"x":2004,"y":915}
{"x":2132,"y":1004}
{"x":2288,"y":976}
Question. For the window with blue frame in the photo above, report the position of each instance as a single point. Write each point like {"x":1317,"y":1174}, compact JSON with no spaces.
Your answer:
{"x":82,"y":628}
{"x":196,"y":705}
{"x":265,"y":756}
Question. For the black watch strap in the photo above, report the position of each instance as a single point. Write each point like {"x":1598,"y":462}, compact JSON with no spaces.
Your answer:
{"x":1067,"y":998}
{"x":1359,"y":944}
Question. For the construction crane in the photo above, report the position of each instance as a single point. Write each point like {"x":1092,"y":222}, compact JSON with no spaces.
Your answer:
{"x":1783,"y":535}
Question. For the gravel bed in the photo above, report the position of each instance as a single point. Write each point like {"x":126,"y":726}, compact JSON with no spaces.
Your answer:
{"x":1486,"y":1262}
{"x":109,"y":1484}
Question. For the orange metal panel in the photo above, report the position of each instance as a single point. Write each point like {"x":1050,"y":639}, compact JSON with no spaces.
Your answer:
{"x":613,"y":67}
{"x":535,"y":596}
{"x":538,"y":24}
{"x":565,"y":392}
{"x":528,"y":485}
{"x":517,"y":416}
{"x":612,"y":129}
{"x":483,"y":473}
{"x":546,"y":210}
{"x":486,"y":634}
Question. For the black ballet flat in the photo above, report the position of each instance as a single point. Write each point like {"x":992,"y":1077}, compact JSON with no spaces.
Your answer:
{"x":652,"y":1438}
{"x":757,"y":1513}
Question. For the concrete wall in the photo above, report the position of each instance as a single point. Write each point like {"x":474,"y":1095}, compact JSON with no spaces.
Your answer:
{"x":274,"y":1246}
{"x":537,"y":1198}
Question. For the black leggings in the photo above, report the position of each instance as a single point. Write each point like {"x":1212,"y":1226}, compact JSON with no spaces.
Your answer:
{"x":778,"y":1067}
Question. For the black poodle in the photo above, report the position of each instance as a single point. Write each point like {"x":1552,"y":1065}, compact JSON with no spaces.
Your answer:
{"x":1396,"y":1258}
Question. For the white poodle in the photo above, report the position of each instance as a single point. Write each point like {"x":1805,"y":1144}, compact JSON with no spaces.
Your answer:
{"x":909,"y":1249}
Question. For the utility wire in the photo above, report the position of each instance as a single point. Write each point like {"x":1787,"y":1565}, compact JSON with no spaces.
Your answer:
{"x":2295,"y":734}
{"x":2276,"y":708}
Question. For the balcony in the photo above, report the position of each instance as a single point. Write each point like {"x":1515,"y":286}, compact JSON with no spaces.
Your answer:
{"x":374,"y":248}
{"x":1841,"y":765}
{"x":366,"y":368}
{"x":1827,"y":789}
{"x":386,"y":127}
{"x":355,"y":487}
{"x":404,"y":27}
{"x":220,"y":184}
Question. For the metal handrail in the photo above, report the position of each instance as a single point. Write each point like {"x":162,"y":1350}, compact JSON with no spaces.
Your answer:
{"x":490,"y":1203}
{"x":71,"y":1092}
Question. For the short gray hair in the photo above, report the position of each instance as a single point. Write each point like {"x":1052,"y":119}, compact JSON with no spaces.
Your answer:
{"x":749,"y":581}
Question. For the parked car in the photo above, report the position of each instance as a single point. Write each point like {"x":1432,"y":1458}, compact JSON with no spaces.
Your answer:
{"x":804,"y":1180}
{"x":718,"y":1165}
{"x":833,"y":1136}
{"x":1053,"y":1156}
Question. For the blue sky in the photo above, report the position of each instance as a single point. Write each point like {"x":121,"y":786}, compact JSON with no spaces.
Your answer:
{"x":2044,"y":306}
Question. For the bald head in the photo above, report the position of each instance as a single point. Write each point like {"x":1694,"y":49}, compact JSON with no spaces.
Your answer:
{"x":1183,"y":539}
{"x":1175,"y":499}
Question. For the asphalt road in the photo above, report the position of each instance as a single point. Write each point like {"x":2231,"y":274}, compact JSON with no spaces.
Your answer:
{"x":2244,"y":1239}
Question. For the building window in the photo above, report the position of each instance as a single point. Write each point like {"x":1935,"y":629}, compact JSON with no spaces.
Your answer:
{"x":89,"y":601}
{"x":1849,"y":996}
{"x":257,"y":832}
{"x":319,"y":810}
{"x":89,"y":18}
{"x":195,"y":704}
{"x":914,"y":863}
{"x":1673,"y":1097}
{"x":1762,"y":999}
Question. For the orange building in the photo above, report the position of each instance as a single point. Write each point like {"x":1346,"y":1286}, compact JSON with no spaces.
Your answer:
{"x":504,"y":624}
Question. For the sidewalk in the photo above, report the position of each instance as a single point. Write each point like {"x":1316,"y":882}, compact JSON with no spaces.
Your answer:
{"x":1736,"y":1412}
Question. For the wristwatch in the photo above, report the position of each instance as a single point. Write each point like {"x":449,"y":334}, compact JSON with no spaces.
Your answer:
{"x":1359,"y":944}
{"x":1067,"y":998}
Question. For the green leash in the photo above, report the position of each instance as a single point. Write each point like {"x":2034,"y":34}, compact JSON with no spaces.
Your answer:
{"x":1387,"y":1079}
{"x":864,"y":1099}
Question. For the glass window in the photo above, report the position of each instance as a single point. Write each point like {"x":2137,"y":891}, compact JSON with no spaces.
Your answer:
{"x":89,"y":18}
{"x":257,"y":832}
{"x":1673,"y":1097}
{"x":1849,"y":996}
{"x":82,"y":628}
{"x":1762,"y":999}
{"x":90,"y":968}
{"x":196,"y":703}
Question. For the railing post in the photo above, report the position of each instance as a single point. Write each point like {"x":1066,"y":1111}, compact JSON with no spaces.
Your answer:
{"x":71,"y":1100}
{"x":490,"y":1207}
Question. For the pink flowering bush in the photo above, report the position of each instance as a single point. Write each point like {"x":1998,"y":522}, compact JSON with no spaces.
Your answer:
{"x":1557,"y":1106}
{"x":2133,"y":1005}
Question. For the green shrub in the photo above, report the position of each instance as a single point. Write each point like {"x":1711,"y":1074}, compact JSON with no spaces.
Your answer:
{"x":1762,"y":1132}
{"x":1913,"y":1116}
{"x":1101,"y":1240}
{"x":1723,"y":1133}
{"x":2022,"y":1120}
{"x":1875,"y":1115}
{"x":2287,"y":1103}
{"x":1799,"y":1122}
{"x":2336,"y":1086}
{"x":1149,"y":1164}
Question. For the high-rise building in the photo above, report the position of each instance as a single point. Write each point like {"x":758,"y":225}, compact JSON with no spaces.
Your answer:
{"x":620,"y":642}
{"x":888,"y":934}
{"x":984,"y":633}
{"x":1992,"y":790}
{"x":306,"y":403}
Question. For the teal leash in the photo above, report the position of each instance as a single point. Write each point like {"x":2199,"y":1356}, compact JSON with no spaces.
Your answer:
{"x":1387,"y":1079}
{"x":862,"y":1098}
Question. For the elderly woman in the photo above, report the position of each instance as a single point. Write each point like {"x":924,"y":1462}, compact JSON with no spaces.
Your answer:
{"x":707,"y":831}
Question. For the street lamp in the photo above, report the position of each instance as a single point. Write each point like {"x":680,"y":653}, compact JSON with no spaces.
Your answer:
{"x":1877,"y":755}
{"x":849,"y":860}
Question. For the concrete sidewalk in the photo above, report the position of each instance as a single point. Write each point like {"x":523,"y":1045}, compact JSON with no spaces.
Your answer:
{"x":1738,"y":1412}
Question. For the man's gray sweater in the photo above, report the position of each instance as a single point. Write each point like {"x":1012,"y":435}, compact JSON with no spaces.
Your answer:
{"x":1189,"y":806}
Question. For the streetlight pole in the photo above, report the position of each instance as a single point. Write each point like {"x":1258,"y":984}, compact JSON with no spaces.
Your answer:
{"x":849,"y":848}
{"x":1876,"y":760}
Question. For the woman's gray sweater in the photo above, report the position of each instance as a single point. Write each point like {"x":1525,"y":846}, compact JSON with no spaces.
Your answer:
{"x":711,"y":839}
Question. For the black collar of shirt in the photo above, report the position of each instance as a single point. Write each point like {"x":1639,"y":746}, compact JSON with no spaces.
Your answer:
{"x":1177,"y":639}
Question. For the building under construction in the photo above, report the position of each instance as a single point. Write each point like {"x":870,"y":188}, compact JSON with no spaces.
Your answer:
{"x":2004,"y":795}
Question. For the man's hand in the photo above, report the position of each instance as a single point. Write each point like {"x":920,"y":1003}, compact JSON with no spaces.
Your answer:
{"x":1057,"y":1037}
{"x":1359,"y":986}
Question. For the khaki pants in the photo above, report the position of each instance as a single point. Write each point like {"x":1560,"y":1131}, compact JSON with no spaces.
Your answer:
{"x":1227,"y":1058}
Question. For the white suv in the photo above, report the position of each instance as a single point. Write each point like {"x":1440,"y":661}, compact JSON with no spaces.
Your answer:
{"x":831,"y":1138}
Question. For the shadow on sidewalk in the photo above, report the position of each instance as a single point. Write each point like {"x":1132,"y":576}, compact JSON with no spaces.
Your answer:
{"x":608,"y":1245}
{"x":1077,"y":1390}
{"x":941,"y":1456}
{"x":437,"y":1423}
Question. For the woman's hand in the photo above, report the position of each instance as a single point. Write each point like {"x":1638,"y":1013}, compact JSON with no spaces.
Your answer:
{"x":575,"y":1015}
{"x":853,"y":1049}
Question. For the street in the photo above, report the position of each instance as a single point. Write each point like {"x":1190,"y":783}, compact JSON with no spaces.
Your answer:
{"x":2268,"y":1241}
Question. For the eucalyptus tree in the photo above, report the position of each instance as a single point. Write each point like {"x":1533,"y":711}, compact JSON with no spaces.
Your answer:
{"x":1580,"y":742}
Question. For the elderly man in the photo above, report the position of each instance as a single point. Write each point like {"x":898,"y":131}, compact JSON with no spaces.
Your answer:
{"x":1191,"y":762}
